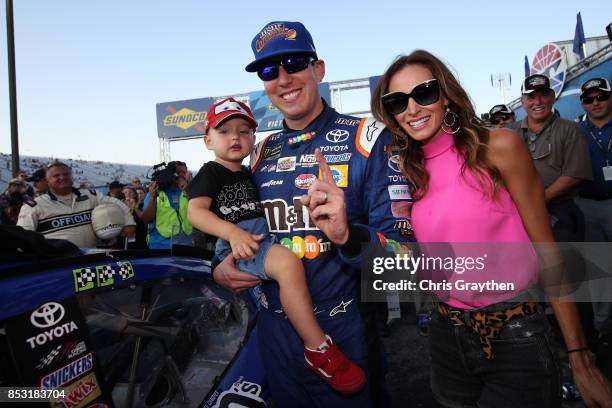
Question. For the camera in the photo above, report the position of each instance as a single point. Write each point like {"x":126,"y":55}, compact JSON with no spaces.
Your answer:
{"x":164,"y":174}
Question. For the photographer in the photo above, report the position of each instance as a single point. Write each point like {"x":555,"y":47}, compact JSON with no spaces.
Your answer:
{"x":165,"y":208}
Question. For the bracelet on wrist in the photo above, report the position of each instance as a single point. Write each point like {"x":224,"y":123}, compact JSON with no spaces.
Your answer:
{"x":576,"y":350}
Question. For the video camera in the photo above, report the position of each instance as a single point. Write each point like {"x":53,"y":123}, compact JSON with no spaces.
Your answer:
{"x":164,"y":174}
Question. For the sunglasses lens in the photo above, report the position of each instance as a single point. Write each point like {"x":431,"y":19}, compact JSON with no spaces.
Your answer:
{"x":295,"y":64}
{"x":426,"y":94}
{"x":587,"y":100}
{"x":395,"y":103}
{"x":268,"y":73}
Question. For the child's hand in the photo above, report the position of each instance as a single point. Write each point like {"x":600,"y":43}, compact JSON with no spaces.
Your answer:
{"x":244,"y":244}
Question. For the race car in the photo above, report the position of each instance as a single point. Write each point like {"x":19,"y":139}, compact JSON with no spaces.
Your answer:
{"x":126,"y":329}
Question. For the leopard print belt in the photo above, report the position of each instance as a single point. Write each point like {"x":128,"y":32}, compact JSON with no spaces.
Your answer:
{"x":487,"y":324}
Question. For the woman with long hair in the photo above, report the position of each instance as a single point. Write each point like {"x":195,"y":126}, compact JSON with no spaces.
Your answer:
{"x":474,"y":185}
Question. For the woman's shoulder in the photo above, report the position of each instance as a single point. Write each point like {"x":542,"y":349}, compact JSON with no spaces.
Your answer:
{"x":506,"y":148}
{"x":505,"y":141}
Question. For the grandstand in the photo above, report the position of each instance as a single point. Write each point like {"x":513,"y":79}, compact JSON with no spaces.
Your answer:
{"x":96,"y":173}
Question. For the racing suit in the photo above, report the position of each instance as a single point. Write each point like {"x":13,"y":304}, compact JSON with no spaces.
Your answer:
{"x":284,"y":166}
{"x":47,"y":215}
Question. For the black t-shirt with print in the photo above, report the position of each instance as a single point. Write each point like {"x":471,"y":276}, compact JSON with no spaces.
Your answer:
{"x":234,"y":197}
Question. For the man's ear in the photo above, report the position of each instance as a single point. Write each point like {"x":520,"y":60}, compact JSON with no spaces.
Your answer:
{"x":207,"y":142}
{"x":319,"y":69}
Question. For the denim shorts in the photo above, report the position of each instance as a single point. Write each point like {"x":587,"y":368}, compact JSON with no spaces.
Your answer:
{"x":524,"y":372}
{"x":254,"y":266}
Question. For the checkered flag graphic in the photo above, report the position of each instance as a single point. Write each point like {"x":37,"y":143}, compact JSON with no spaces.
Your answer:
{"x":84,"y":279}
{"x":106,"y":275}
{"x":126,"y":271}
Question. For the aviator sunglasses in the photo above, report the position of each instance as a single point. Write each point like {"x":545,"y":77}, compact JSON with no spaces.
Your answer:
{"x":424,"y":94}
{"x":291,"y":64}
{"x":587,"y":100}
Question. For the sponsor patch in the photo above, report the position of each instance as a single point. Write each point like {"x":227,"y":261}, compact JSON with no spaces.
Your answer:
{"x":80,"y":393}
{"x":404,"y":227}
{"x":401,"y":209}
{"x":394,"y":163}
{"x":268,"y":168}
{"x":347,"y":122}
{"x":68,"y":373}
{"x":334,"y":148}
{"x":340,"y":174}
{"x":272,"y":183}
{"x":304,"y":181}
{"x":285,"y":164}
{"x":286,"y":217}
{"x":337,"y":136}
{"x":397,"y":178}
{"x":240,"y":394}
{"x":271,"y":153}
{"x":308,"y":247}
{"x":399,"y":192}
{"x":337,"y":158}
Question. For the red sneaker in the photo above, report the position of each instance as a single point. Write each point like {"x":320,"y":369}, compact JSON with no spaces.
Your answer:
{"x":335,"y":369}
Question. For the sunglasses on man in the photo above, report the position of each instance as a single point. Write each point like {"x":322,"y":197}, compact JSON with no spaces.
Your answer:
{"x":425,"y":93}
{"x":291,"y":64}
{"x":587,"y":100}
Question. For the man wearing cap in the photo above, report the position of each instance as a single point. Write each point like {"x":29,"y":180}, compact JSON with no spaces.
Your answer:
{"x":595,"y":199}
{"x":560,"y":155}
{"x":64,"y":212}
{"x":40,"y":182}
{"x":501,"y":115}
{"x":309,"y":216}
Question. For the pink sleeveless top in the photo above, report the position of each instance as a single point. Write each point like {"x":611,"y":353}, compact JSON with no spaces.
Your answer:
{"x":490,"y":232}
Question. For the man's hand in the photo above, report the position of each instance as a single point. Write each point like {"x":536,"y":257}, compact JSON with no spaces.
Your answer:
{"x":128,"y":231}
{"x":244,"y":244}
{"x":227,"y":276}
{"x":325,"y":201}
{"x":153,"y":189}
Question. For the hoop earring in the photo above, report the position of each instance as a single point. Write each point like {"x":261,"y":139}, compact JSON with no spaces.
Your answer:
{"x":450,"y":122}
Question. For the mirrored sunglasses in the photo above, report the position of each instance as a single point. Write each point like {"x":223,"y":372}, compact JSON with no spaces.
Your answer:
{"x":291,"y":64}
{"x":424,"y":94}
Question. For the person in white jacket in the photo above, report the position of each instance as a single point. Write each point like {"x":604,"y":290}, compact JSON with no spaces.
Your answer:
{"x":64,"y":212}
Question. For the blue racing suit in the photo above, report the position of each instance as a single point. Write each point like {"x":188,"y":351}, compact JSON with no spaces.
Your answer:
{"x":359,"y":154}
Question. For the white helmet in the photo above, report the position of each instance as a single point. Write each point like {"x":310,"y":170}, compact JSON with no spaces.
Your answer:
{"x":107,"y":221}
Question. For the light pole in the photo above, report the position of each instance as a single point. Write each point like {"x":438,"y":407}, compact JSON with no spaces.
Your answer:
{"x":10,"y":40}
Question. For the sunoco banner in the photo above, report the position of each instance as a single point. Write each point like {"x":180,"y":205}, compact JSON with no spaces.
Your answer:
{"x":182,"y":118}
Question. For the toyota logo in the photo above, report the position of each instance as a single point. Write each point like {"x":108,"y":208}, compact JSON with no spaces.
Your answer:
{"x":47,"y":315}
{"x":394,"y":163}
{"x":337,"y":135}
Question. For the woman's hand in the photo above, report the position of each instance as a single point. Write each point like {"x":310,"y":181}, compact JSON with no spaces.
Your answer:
{"x":325,"y":202}
{"x":595,"y":390}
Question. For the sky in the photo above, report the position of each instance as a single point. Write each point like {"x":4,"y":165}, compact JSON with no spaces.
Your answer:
{"x":89,"y":73}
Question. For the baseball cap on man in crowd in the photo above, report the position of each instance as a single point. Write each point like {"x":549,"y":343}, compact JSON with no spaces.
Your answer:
{"x":600,"y":84}
{"x":280,"y":38}
{"x":500,"y":110}
{"x":228,"y":108}
{"x":534,"y":83}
